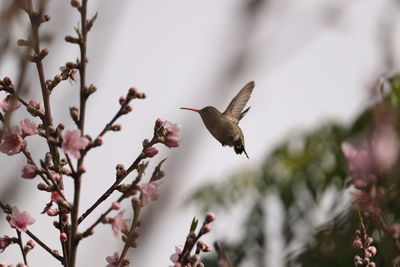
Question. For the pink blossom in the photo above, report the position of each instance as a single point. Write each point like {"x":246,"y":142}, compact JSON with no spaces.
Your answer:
{"x":12,"y":142}
{"x":29,"y":171}
{"x":20,"y":220}
{"x":73,"y":142}
{"x":112,"y":260}
{"x":149,"y":192}
{"x":35,"y":108}
{"x":118,"y":223}
{"x":172,"y":141}
{"x":359,"y":160}
{"x":28,"y":128}
{"x":150,"y":151}
{"x":175,"y":256}
{"x":385,"y":147}
{"x":5,"y":104}
{"x":172,"y":128}
{"x":171,"y":138}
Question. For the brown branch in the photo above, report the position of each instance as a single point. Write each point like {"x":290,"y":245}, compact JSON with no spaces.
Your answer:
{"x":43,"y":245}
{"x":132,"y":234}
{"x":74,"y":239}
{"x":111,"y":189}
{"x":21,"y":246}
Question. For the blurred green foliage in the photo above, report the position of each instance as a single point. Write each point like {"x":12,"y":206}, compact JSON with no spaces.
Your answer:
{"x":302,"y":170}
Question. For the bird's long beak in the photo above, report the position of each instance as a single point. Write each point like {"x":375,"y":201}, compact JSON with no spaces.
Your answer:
{"x":192,"y":109}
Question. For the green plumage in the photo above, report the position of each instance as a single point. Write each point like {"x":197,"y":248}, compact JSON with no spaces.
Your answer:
{"x":224,"y":126}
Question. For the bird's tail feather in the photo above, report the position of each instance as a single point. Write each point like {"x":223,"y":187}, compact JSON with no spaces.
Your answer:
{"x":244,"y":113}
{"x":239,"y":149}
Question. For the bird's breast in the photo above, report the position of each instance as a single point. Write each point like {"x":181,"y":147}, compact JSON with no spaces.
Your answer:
{"x":225,"y":131}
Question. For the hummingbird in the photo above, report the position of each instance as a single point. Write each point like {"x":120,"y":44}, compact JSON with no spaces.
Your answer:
{"x":224,"y":126}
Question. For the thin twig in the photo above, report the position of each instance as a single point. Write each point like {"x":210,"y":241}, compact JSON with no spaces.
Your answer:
{"x":111,"y":188}
{"x":21,"y":246}
{"x":43,"y":245}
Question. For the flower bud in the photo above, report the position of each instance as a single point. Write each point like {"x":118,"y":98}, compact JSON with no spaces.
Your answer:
{"x":150,"y":152}
{"x":372,"y":250}
{"x":210,"y":217}
{"x":63,"y":237}
{"x":357,"y":243}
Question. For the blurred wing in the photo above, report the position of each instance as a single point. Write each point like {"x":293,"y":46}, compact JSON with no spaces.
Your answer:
{"x":234,"y":110}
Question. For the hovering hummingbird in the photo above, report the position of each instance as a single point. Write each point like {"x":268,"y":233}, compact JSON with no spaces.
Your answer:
{"x":224,"y":126}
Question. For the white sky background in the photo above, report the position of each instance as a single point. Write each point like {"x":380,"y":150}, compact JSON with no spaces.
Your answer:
{"x":311,"y":60}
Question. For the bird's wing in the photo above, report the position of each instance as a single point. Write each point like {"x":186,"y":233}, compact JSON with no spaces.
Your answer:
{"x":234,"y":109}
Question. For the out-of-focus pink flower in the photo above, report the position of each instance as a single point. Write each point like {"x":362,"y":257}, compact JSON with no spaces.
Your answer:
{"x":29,"y":171}
{"x":12,"y":142}
{"x":112,"y":260}
{"x":395,"y":230}
{"x":73,"y":142}
{"x":385,"y":147}
{"x":118,"y":223}
{"x":369,"y":202}
{"x":28,"y":128}
{"x":149,"y":192}
{"x":359,"y":160}
{"x":20,"y":220}
{"x":175,"y":256}
{"x":375,"y":153}
{"x":5,"y":104}
{"x":150,"y":151}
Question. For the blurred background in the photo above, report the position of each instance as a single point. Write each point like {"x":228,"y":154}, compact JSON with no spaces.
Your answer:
{"x":314,"y":64}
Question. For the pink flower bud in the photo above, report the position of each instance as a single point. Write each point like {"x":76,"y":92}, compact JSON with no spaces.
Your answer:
{"x":210,"y":217}
{"x":29,"y":171}
{"x":31,"y":244}
{"x":63,"y":237}
{"x":357,"y":243}
{"x":115,"y":205}
{"x":372,"y":250}
{"x":52,"y":212}
{"x":122,"y":100}
{"x":206,"y":228}
{"x":82,"y":169}
{"x":395,"y":230}
{"x":99,"y":141}
{"x":150,"y":151}
{"x":132,"y":91}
